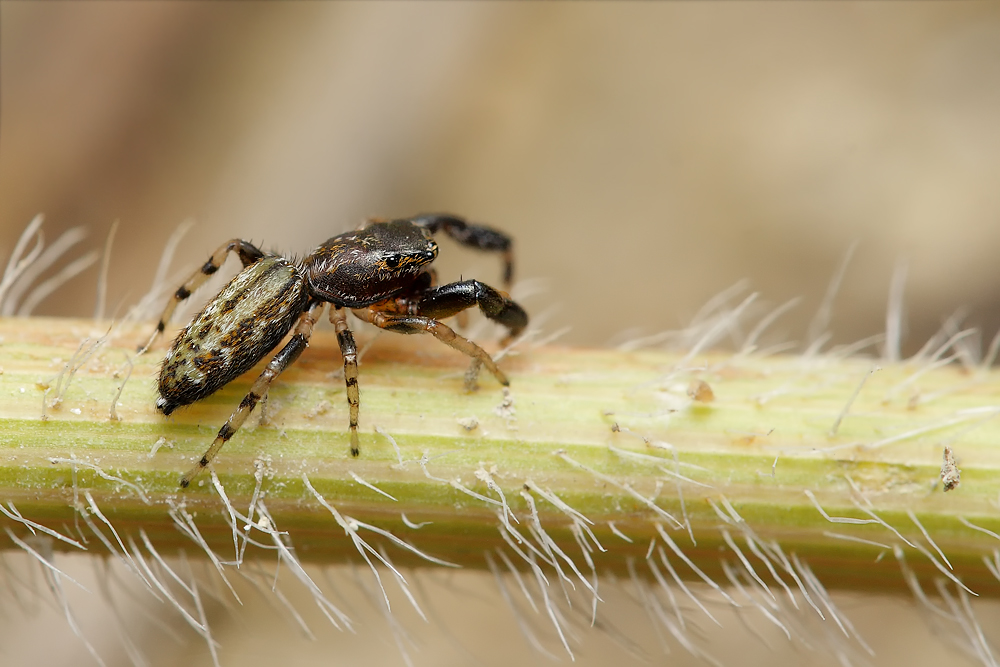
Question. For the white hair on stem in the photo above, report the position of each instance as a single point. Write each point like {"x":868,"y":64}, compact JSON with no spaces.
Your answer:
{"x":651,"y":564}
{"x":623,"y":486}
{"x":17,"y":264}
{"x":146,"y":305}
{"x":485,"y":476}
{"x":894,"y":314}
{"x":966,"y":620}
{"x":517,"y":577}
{"x":46,"y":562}
{"x":750,"y":344}
{"x":927,"y":536}
{"x":684,"y":587}
{"x":820,"y":323}
{"x":186,"y":523}
{"x":100,"y":472}
{"x":36,"y":268}
{"x":333,"y":614}
{"x":357,"y":478}
{"x":850,"y":401}
{"x":747,"y":565}
{"x":859,"y":540}
{"x":522,"y":622}
{"x":33,"y":526}
{"x":165,"y":590}
{"x":102,"y":276}
{"x":124,"y":556}
{"x":552,"y":548}
{"x":727,"y":569}
{"x":47,"y":287}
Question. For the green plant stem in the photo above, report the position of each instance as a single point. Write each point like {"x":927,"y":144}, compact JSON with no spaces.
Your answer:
{"x":613,"y":435}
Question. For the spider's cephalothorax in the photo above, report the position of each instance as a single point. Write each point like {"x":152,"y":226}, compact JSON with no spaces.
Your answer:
{"x":378,"y":271}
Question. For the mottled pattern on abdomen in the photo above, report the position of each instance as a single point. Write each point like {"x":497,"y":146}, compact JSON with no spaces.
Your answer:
{"x":236,"y":329}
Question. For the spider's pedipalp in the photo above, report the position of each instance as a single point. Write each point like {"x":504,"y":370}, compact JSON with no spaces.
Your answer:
{"x":448,"y":300}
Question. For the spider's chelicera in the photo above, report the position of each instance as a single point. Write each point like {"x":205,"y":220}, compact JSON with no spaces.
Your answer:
{"x":380,"y":272}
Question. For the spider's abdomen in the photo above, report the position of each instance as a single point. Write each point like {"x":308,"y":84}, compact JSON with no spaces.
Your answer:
{"x":247,"y":319}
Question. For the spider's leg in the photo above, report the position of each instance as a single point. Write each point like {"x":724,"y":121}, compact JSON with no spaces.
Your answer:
{"x":447,"y":300}
{"x":411,"y":324}
{"x":248,"y":254}
{"x":472,"y":235}
{"x":285,"y":358}
{"x":338,"y":316}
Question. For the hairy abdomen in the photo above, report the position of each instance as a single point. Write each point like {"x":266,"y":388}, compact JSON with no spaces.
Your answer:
{"x":247,"y":319}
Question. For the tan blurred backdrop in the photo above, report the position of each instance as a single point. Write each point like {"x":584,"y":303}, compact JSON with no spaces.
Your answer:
{"x":645,"y":155}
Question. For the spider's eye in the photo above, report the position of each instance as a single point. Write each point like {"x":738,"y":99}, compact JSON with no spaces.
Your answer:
{"x":393,"y":261}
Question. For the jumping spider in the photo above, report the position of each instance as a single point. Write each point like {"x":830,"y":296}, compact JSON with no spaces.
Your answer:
{"x":379,"y":271}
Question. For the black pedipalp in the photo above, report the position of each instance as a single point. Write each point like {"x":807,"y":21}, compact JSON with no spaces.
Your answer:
{"x":447,"y":300}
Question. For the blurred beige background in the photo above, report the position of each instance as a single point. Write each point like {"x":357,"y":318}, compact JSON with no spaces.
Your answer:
{"x":645,"y":155}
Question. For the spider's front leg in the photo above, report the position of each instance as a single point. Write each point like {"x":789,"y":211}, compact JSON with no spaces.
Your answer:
{"x":282,"y":360}
{"x":248,"y":254}
{"x":455,"y":298}
{"x":446,"y":301}
{"x":472,"y":235}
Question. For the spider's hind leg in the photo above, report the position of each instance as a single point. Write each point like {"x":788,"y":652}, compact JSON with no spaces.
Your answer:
{"x":282,"y":360}
{"x":248,"y":254}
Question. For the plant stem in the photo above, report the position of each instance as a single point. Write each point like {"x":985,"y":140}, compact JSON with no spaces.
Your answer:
{"x":610,"y":436}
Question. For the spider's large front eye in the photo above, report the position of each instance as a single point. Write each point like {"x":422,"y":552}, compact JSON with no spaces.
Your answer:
{"x":393,"y":261}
